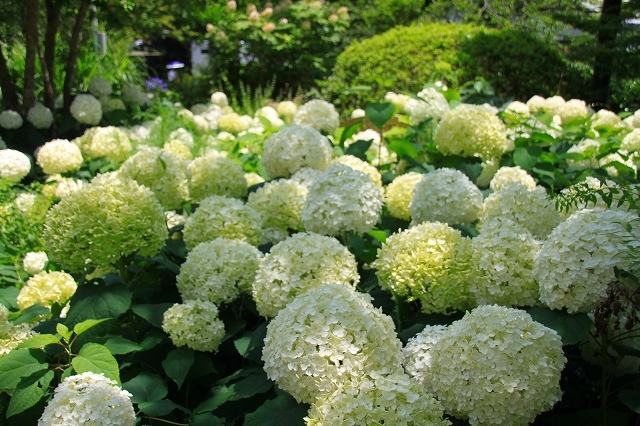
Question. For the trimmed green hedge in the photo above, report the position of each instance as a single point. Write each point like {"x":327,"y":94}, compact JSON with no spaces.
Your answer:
{"x":405,"y":58}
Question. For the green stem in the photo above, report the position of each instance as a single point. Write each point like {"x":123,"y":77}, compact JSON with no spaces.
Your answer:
{"x":167,"y":421}
{"x":124,"y":273}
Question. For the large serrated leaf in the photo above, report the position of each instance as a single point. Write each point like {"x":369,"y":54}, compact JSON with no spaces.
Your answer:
{"x":38,"y":341}
{"x":85,"y":325}
{"x":152,"y":313}
{"x":119,"y":345}
{"x":20,"y":363}
{"x":177,"y":364}
{"x":34,"y":389}
{"x":98,"y":301}
{"x":359,"y":149}
{"x":146,"y":387}
{"x":96,"y":358}
{"x":380,"y":113}
{"x":350,"y":131}
{"x":159,"y":408}
{"x":283,"y":410}
{"x":572,"y":328}
{"x":206,"y":419}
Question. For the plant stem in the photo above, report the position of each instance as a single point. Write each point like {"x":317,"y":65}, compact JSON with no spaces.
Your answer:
{"x":124,"y":273}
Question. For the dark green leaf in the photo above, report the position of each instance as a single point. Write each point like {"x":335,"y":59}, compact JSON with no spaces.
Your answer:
{"x":98,"y":301}
{"x":350,"y":131}
{"x":177,"y":364}
{"x":403,"y":147}
{"x":206,"y":419}
{"x":8,"y":297}
{"x":119,"y":345}
{"x":26,"y":315}
{"x":251,"y":349}
{"x":380,"y":113}
{"x":28,"y":395}
{"x":359,"y":149}
{"x":20,"y":363}
{"x":522,"y":158}
{"x":38,"y":341}
{"x":572,"y":328}
{"x":630,"y":398}
{"x":96,"y":359}
{"x":231,"y":327}
{"x":152,"y":313}
{"x":85,"y":325}
{"x":146,"y":387}
{"x":283,"y":410}
{"x":221,"y":394}
{"x":159,"y":408}
{"x":625,"y":350}
{"x":253,"y":384}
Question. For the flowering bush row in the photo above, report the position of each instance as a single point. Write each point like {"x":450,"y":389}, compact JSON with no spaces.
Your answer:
{"x":407,"y":266}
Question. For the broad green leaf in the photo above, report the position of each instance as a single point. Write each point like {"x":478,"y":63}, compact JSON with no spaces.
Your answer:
{"x":29,"y":395}
{"x":146,"y":387}
{"x":249,"y":137}
{"x":28,"y":314}
{"x":359,"y":149}
{"x":177,"y":364}
{"x":243,"y":372}
{"x":221,"y":394}
{"x":378,"y":235}
{"x":38,"y":341}
{"x":206,"y":419}
{"x":283,"y":410}
{"x":522,"y":158}
{"x":253,"y":384}
{"x":96,"y":359}
{"x":380,"y":113}
{"x":625,"y":350}
{"x":630,"y":398}
{"x":63,"y":330}
{"x":119,"y":345}
{"x":572,"y":328}
{"x":20,"y":363}
{"x":251,"y":348}
{"x":152,"y":313}
{"x":159,"y":408}
{"x":98,"y":301}
{"x":231,"y":327}
{"x":403,"y":147}
{"x":542,"y":137}
{"x":153,"y":339}
{"x":350,"y":131}
{"x":87,"y":324}
{"x":8,"y":297}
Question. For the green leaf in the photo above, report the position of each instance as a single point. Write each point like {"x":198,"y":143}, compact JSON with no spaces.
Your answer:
{"x":378,"y":235}
{"x":221,"y":394}
{"x":87,"y":324}
{"x":177,"y":364}
{"x":63,"y":330}
{"x":152,"y":313}
{"x":159,"y":408}
{"x":253,"y":384}
{"x":251,"y":347}
{"x":34,"y":389}
{"x":232,"y":327}
{"x":206,"y":419}
{"x":522,"y":158}
{"x":572,"y":328}
{"x":96,"y":359}
{"x":20,"y":363}
{"x":98,"y":301}
{"x":403,"y":147}
{"x":26,"y":315}
{"x":359,"y":149}
{"x":119,"y":345}
{"x":630,"y":398}
{"x":146,"y":387}
{"x":8,"y":296}
{"x":283,"y":410}
{"x":38,"y":341}
{"x":248,"y":137}
{"x":380,"y":113}
{"x":350,"y":131}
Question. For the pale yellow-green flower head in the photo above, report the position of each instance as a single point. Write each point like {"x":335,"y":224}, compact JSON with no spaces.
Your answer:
{"x":319,"y":114}
{"x":398,"y":194}
{"x":102,"y":222}
{"x":280,"y":204}
{"x":362,"y":166}
{"x":47,"y":288}
{"x":11,"y":335}
{"x":213,"y":175}
{"x":59,"y":156}
{"x":109,"y":142}
{"x":194,"y":324}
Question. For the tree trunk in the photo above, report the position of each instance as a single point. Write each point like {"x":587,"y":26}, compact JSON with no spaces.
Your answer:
{"x":74,"y":49}
{"x":49,"y":95}
{"x":610,"y":24}
{"x":9,"y":93}
{"x":31,"y":36}
{"x":53,"y":22}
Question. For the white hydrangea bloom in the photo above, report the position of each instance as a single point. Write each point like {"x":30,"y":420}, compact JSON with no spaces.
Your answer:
{"x":194,"y":323}
{"x":178,"y":148}
{"x":503,"y":257}
{"x":433,"y":105}
{"x":287,"y":109}
{"x":14,"y":165}
{"x":270,"y":114}
{"x":89,"y":399}
{"x":305,"y":176}
{"x":358,"y":113}
{"x":398,"y":194}
{"x":212,"y":175}
{"x":489,"y":169}
{"x":605,"y":118}
{"x":341,"y":200}
{"x":11,"y":335}
{"x":429,"y":262}
{"x":378,"y":153}
{"x":183,"y":135}
{"x":536,"y":104}
{"x":506,"y":175}
{"x":300,"y":263}
{"x":615,"y":157}
{"x":280,"y":204}
{"x":47,"y":288}
{"x":292,"y":148}
{"x":232,"y":123}
{"x":10,"y":119}
{"x":59,"y":156}
{"x":134,"y":95}
{"x":554,"y":104}
{"x":198,"y":109}
{"x":253,"y":178}
{"x":111,"y":104}
{"x":518,"y":109}
{"x":320,"y":115}
{"x":362,"y":166}
{"x":138,"y":133}
{"x":325,"y":337}
{"x":109,"y":142}
{"x":631,"y":142}
{"x":185,"y":116}
{"x":219,"y":99}
{"x":86,"y":109}
{"x":34,"y":262}
{"x":529,"y":208}
{"x":572,"y":110}
{"x":174,"y":219}
{"x":65,"y":186}
{"x":3,"y":144}
{"x":583,"y":147}
{"x":40,"y":116}
{"x":445,"y":195}
{"x":506,"y":371}
{"x":218,"y":271}
{"x":417,"y":354}
{"x":376,"y":399}
{"x":25,"y":202}
{"x":577,"y":260}
{"x":399,"y":100}
{"x":99,"y":87}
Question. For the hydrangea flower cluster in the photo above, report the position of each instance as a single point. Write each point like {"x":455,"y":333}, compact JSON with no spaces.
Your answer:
{"x":218,"y":271}
{"x":134,"y":95}
{"x":398,"y":99}
{"x":99,"y":87}
{"x":11,"y":335}
{"x":445,"y":195}
{"x":59,"y":156}
{"x":399,"y":193}
{"x":233,"y":123}
{"x":471,"y":131}
{"x":59,"y":187}
{"x":86,"y":109}
{"x":631,"y":142}
{"x":429,"y":262}
{"x":417,"y":354}
{"x":585,"y":147}
{"x":34,"y":262}
{"x":572,"y":110}
{"x":109,"y":142}
{"x":319,"y":114}
{"x":506,"y":371}
{"x":162,"y":172}
{"x":103,"y":221}
{"x":178,"y":148}
{"x":287,"y":109}
{"x":10,"y":119}
{"x":375,"y":399}
{"x":211,"y":175}
{"x":219,"y":99}
{"x":280,"y":204}
{"x":184,"y":136}
{"x":531,"y":209}
{"x":577,"y":260}
{"x":341,"y":200}
{"x":14,"y":165}
{"x":300,"y":263}
{"x":294,"y":147}
{"x":362,"y":166}
{"x":505,"y":175}
{"x":88,"y":399}
{"x":305,"y":176}
{"x":111,"y":104}
{"x":518,"y":110}
{"x":47,"y":288}
{"x":194,"y":323}
{"x":40,"y":116}
{"x":503,"y":256}
{"x":605,"y":118}
{"x":433,"y":105}
{"x":325,"y":337}
{"x":219,"y":216}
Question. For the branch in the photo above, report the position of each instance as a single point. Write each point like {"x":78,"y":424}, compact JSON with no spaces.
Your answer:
{"x":31,"y":35}
{"x":53,"y":22}
{"x":49,"y":94}
{"x":74,"y":49}
{"x":9,"y":93}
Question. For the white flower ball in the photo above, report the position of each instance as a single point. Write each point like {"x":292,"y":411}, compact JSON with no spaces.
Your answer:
{"x":99,"y":87}
{"x":194,"y":324}
{"x":86,"y":109}
{"x":14,"y":165}
{"x":219,"y":99}
{"x":320,"y":115}
{"x":35,"y":262}
{"x":40,"y":116}
{"x":59,"y":156}
{"x":10,"y":119}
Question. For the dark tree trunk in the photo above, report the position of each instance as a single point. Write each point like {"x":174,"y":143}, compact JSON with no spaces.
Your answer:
{"x":610,"y":24}
{"x":53,"y":22}
{"x":49,"y":94}
{"x":74,"y":49}
{"x":31,"y":36}
{"x":9,"y":93}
